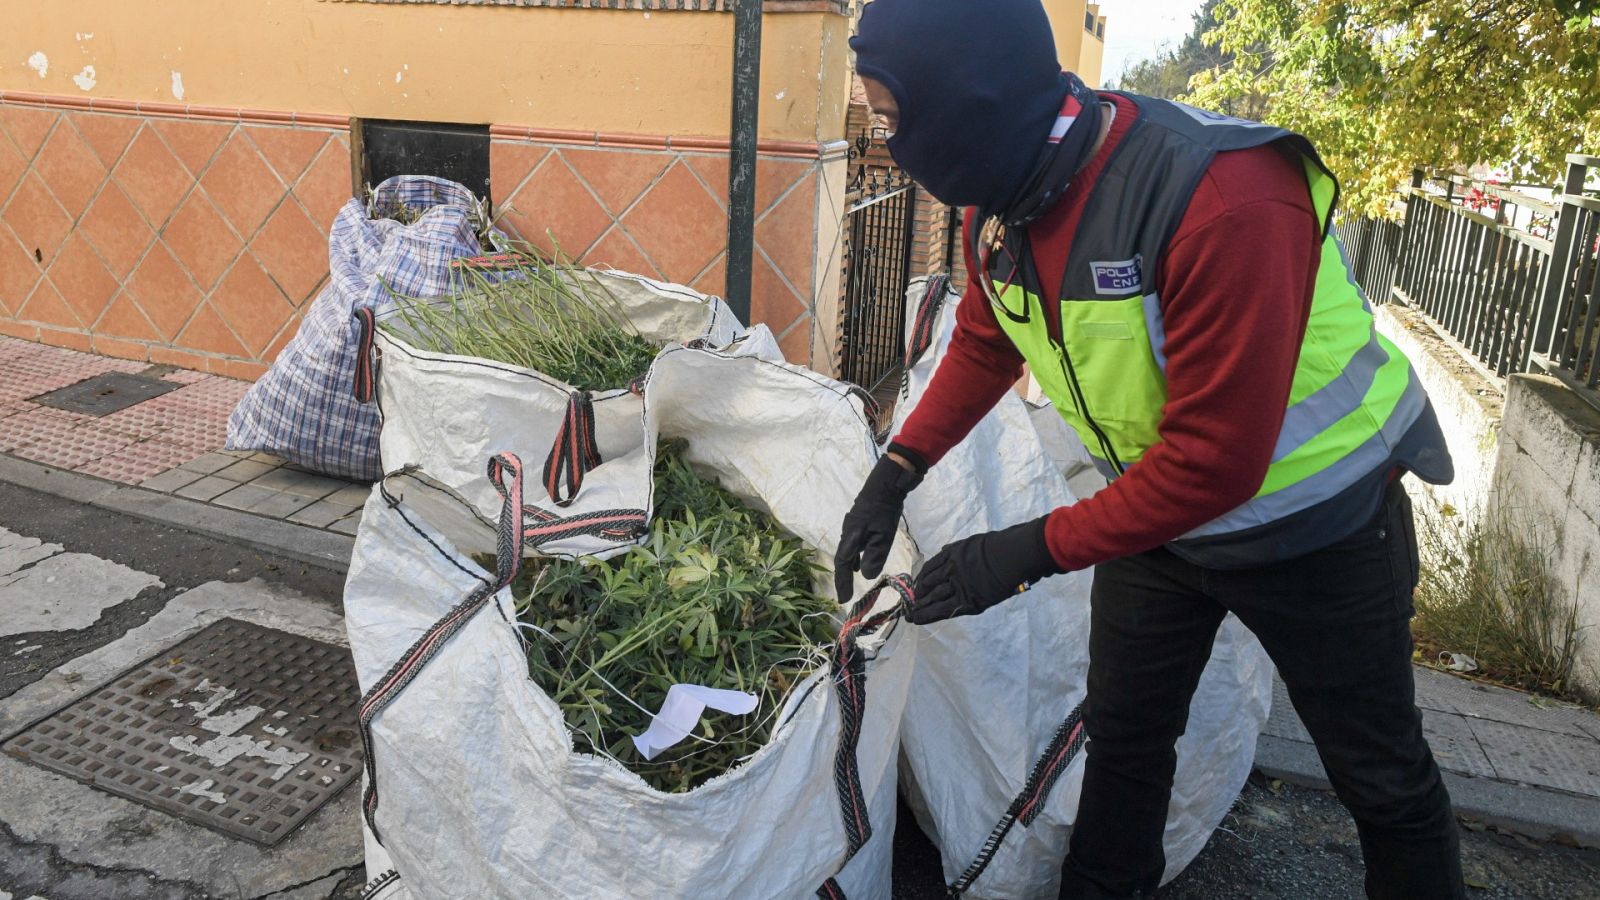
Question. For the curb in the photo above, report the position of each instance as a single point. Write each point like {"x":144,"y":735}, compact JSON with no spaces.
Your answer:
{"x":301,"y":542}
{"x":1525,"y":809}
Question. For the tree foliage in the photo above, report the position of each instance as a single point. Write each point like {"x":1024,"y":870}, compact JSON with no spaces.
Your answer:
{"x":1381,"y":86}
{"x":1167,"y":74}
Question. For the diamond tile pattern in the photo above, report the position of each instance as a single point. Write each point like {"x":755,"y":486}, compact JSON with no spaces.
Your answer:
{"x":152,"y":177}
{"x":680,"y":225}
{"x":203,"y":241}
{"x":661,"y":213}
{"x":18,"y":272}
{"x":71,"y":168}
{"x":46,"y":307}
{"x":28,"y":127}
{"x":203,"y":237}
{"x":82,"y":279}
{"x":37,"y":218}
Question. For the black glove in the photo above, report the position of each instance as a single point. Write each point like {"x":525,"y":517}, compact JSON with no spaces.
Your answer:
{"x":975,"y":573}
{"x":869,"y":526}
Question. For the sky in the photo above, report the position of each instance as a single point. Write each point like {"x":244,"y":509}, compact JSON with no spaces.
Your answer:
{"x":1138,"y":29}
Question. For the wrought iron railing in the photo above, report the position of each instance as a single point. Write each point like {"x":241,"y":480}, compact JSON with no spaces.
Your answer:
{"x":1574,"y":288}
{"x":878,"y":235}
{"x":1477,"y":279}
{"x":1509,"y":277}
{"x":1372,"y":247}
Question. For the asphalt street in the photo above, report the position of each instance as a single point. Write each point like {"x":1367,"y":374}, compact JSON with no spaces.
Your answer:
{"x":1283,"y":842}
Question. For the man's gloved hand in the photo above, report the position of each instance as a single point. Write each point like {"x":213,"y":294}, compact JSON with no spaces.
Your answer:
{"x":869,"y":526}
{"x":975,"y":573}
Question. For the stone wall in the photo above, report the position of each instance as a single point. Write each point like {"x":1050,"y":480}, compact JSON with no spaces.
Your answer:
{"x":1526,"y":455}
{"x":1467,"y":404}
{"x":1547,"y":472}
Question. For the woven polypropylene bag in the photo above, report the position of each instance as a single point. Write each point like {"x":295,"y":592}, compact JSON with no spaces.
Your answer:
{"x":446,"y":413}
{"x":303,"y":408}
{"x":477,"y":788}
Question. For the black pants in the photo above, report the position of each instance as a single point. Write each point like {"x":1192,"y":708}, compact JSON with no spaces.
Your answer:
{"x":1336,"y":623}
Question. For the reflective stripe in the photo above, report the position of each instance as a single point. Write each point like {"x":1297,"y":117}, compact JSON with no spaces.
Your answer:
{"x":1333,"y":401}
{"x":1338,"y":326}
{"x":1156,"y":327}
{"x":1330,"y":481}
{"x":1387,"y":390}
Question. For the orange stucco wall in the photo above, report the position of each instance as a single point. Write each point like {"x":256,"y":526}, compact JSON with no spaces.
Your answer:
{"x":656,"y":72}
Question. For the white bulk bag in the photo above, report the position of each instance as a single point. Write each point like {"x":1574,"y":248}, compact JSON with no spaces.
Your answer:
{"x":447,"y":414}
{"x":477,"y":789}
{"x":992,"y":741}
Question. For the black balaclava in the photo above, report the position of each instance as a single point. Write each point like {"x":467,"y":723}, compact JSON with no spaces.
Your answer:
{"x":979,"y":90}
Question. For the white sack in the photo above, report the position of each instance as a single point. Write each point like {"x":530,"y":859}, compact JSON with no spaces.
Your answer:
{"x":479,"y":791}
{"x":448,"y":414}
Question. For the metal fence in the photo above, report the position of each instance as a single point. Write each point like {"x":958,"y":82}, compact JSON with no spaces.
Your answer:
{"x":878,"y":236}
{"x":1510,"y":277}
{"x":1373,"y":249}
{"x":1479,"y":280}
{"x":1574,"y":347}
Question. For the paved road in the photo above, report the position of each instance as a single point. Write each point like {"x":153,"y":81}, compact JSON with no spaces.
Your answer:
{"x":80,"y":588}
{"x":1288,"y":843}
{"x":1283,"y":842}
{"x":181,"y":561}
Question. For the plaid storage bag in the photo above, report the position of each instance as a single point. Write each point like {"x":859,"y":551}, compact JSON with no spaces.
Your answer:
{"x":303,"y":410}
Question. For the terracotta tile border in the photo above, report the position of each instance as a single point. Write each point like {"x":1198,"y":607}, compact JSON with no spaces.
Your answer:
{"x":776,"y":7}
{"x":634,"y":141}
{"x":120,"y":349}
{"x":171,"y":356}
{"x":25,"y":330}
{"x":72,"y":340}
{"x":612,"y":140}
{"x":325,"y":120}
{"x":156,"y":109}
{"x":623,"y":141}
{"x":69,"y":102}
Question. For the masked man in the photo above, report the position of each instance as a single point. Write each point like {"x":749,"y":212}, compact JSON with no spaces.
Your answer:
{"x":1171,"y":279}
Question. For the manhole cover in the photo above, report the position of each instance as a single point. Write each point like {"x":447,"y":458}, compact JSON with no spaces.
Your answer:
{"x":105,"y":394}
{"x":241,"y":728}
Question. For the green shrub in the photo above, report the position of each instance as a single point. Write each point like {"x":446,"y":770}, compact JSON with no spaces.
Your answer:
{"x":719,"y":595}
{"x":556,"y":318}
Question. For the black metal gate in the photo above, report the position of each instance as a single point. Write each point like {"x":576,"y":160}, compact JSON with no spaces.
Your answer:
{"x":878,"y":234}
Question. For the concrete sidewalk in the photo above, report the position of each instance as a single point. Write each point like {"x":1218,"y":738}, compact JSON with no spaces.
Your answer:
{"x":1510,"y":759}
{"x":162,"y":458}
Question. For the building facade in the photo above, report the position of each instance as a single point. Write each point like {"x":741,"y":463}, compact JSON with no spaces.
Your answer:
{"x":168,"y":179}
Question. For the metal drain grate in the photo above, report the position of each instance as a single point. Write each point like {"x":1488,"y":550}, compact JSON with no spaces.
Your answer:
{"x":105,"y":394}
{"x":241,"y":728}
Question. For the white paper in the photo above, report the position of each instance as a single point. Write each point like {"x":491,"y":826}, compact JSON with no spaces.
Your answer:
{"x":680,"y":714}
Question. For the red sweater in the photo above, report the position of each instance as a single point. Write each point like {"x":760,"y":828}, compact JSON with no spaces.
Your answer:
{"x":1235,"y":287}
